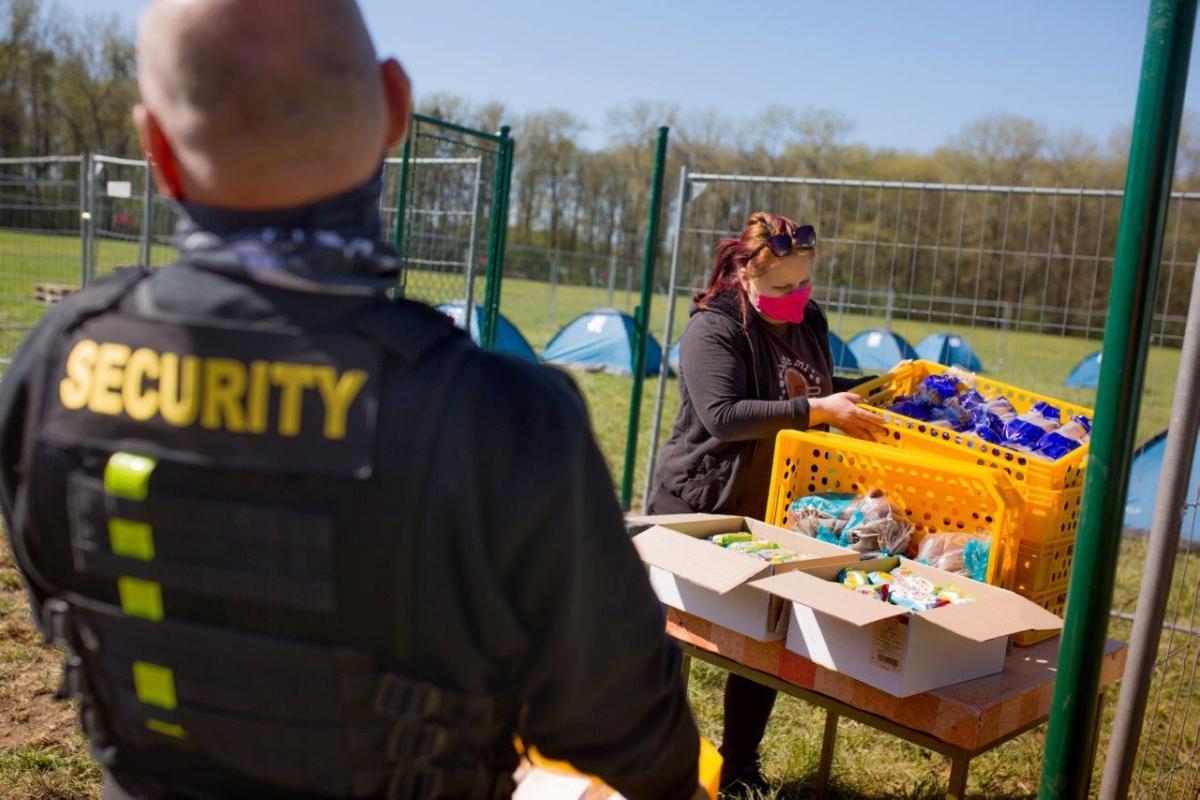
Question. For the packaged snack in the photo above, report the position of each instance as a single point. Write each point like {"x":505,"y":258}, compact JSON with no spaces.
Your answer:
{"x":779,"y":555}
{"x":951,"y":594}
{"x":910,"y":598}
{"x":1058,"y":443}
{"x":936,"y":389}
{"x":912,"y":407}
{"x":975,"y":557}
{"x":963,"y":553}
{"x":879,"y":578}
{"x":971,"y":399}
{"x":870,"y":591}
{"x":853,"y":578}
{"x":726,"y":539}
{"x":951,"y":414}
{"x":1001,"y":407}
{"x":1025,"y":430}
{"x":752,"y":546}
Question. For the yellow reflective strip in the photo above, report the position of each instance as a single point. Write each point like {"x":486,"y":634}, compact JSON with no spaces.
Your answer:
{"x":154,"y":684}
{"x":140,"y":598}
{"x":131,"y":539}
{"x":166,"y":728}
{"x":128,"y":476}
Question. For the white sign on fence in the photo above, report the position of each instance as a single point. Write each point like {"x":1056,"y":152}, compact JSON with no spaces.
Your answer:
{"x":120,"y":189}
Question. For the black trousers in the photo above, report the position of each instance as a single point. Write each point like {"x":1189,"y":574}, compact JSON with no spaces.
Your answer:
{"x":747,"y":709}
{"x":747,"y":704}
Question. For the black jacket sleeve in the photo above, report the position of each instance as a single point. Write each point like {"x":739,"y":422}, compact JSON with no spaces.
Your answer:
{"x":714,"y":364}
{"x":601,"y":681}
{"x":14,"y":410}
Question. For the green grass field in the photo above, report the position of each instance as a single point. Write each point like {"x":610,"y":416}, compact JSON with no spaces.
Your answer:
{"x":41,"y":756}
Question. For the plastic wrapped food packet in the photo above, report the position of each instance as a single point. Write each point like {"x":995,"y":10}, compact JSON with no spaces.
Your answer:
{"x":1058,"y":443}
{"x":876,"y":592}
{"x":976,"y":555}
{"x":753,"y":546}
{"x":1027,"y":429}
{"x":986,"y":425}
{"x":879,"y":578}
{"x":726,"y":539}
{"x":1002,"y":408}
{"x":971,"y":399}
{"x":779,"y":555}
{"x":852,"y":578}
{"x":962,"y":553}
{"x":912,"y":407}
{"x":951,"y":414}
{"x":936,"y":389}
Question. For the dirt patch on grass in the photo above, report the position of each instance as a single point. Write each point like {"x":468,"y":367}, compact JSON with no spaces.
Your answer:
{"x":42,"y":753}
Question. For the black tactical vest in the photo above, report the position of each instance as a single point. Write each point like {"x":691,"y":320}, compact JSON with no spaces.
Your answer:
{"x":225,"y":514}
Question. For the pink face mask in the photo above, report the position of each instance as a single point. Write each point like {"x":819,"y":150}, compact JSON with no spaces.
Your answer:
{"x":785,"y":308}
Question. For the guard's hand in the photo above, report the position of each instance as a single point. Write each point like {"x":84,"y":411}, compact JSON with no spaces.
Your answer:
{"x":841,"y":411}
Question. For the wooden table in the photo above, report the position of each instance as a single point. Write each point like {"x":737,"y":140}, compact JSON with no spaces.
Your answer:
{"x":959,"y":721}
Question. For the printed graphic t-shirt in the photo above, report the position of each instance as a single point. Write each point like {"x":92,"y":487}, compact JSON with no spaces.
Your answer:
{"x":798,"y":364}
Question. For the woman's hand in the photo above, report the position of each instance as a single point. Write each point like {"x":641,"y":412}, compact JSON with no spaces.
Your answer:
{"x":841,"y":411}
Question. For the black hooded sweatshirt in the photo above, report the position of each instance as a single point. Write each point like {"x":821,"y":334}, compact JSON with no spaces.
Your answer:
{"x":739,"y":386}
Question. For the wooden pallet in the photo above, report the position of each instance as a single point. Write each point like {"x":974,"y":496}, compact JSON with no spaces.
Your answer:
{"x":50,"y":293}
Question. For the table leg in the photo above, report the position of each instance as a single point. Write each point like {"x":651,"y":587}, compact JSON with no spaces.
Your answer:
{"x":686,"y":668}
{"x":827,"y":743}
{"x":960,"y":762}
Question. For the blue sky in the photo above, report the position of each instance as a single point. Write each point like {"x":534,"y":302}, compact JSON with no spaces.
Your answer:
{"x":909,"y":74}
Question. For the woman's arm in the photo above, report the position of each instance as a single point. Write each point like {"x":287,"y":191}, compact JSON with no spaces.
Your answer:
{"x":715,"y":363}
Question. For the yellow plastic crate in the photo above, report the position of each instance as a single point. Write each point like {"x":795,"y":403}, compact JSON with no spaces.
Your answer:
{"x":1043,"y":568}
{"x":1024,"y":469}
{"x":1054,"y":601}
{"x":936,"y":496}
{"x":1050,"y":516}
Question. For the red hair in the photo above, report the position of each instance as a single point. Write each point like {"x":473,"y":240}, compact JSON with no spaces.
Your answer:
{"x":733,"y":254}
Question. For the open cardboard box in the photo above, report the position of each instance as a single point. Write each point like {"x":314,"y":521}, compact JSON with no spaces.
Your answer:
{"x":697,"y":576}
{"x":899,"y":651}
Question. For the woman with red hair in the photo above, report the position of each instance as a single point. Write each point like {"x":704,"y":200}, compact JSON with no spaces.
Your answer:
{"x":754,"y":360}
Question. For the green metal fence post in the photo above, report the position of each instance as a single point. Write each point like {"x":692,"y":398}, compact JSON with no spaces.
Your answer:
{"x":1069,"y":739}
{"x":496,"y":238}
{"x":401,"y":201}
{"x":642,"y":315}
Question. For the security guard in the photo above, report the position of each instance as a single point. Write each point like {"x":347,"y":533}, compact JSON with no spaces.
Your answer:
{"x":299,"y":540}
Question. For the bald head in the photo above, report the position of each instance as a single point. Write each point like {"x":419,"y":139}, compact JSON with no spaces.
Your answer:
{"x":261,"y":103}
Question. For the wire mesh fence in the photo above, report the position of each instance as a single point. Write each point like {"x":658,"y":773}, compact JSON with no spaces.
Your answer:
{"x":67,"y":220}
{"x":40,"y":245}
{"x":545,"y":289}
{"x":1168,"y":758}
{"x":444,"y":202}
{"x":1022,"y":273}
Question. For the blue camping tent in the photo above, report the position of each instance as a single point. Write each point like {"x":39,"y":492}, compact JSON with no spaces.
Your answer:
{"x":1143,"y":487}
{"x":1086,"y":374}
{"x":508,"y":339}
{"x":949,"y":349}
{"x":601,"y":340}
{"x":879,"y":350}
{"x":843,"y":358}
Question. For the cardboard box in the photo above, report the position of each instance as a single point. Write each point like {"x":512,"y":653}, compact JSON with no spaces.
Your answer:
{"x":699,"y":577}
{"x":901,"y":652}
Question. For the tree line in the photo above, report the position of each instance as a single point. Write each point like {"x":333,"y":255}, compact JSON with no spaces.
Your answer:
{"x":67,"y":85}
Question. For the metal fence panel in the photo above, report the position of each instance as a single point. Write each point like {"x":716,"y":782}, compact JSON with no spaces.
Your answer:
{"x":1021,"y":272}
{"x":439,"y":201}
{"x":40,"y":245}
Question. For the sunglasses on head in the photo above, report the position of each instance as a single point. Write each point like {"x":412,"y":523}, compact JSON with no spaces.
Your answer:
{"x":802,"y":237}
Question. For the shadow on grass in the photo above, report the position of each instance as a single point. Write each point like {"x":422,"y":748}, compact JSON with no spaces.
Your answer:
{"x":805,"y":788}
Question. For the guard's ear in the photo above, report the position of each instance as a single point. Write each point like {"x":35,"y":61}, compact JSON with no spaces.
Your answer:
{"x":397,"y":89}
{"x":158,"y":153}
